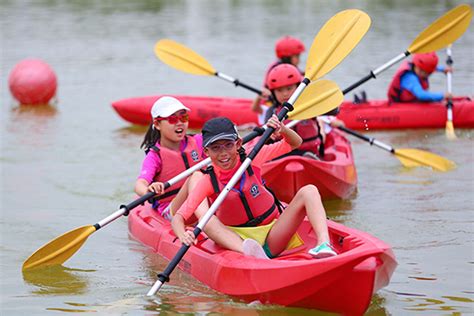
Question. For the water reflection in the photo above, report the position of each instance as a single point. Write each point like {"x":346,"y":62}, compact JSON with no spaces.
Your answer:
{"x":339,"y":210}
{"x":35,"y":111}
{"x":56,"y":280}
{"x":430,"y":304}
{"x":132,"y":130}
{"x":72,"y":310}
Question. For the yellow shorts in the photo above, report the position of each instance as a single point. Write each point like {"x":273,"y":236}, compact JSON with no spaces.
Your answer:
{"x":259,"y":233}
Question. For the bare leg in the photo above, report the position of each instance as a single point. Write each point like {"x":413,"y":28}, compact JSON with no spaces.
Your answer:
{"x":307,"y":202}
{"x":218,"y":232}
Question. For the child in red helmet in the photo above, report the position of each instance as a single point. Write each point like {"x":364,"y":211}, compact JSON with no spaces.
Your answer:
{"x":287,"y":50}
{"x":282,"y":81}
{"x":410,"y":82}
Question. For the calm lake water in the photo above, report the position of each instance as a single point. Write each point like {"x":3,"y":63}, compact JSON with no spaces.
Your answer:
{"x":73,"y":163}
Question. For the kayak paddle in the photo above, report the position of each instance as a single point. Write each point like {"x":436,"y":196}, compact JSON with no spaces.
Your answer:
{"x":442,"y":32}
{"x":185,"y":59}
{"x":449,"y":102}
{"x":408,"y":157}
{"x":57,"y":251}
{"x":63,"y":247}
{"x":322,"y":51}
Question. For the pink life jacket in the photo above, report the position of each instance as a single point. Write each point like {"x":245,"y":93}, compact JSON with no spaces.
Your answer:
{"x":395,"y":93}
{"x":248,"y":204}
{"x":173,"y":163}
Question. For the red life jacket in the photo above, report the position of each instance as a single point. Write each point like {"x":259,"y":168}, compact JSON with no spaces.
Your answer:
{"x":248,"y":204}
{"x":173,"y":163}
{"x":395,"y":92}
{"x":309,"y":132}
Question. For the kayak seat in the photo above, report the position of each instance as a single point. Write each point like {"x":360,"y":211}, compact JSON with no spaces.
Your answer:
{"x":329,"y":157}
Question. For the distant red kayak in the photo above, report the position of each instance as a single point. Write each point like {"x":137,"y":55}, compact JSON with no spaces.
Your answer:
{"x":372,"y":115}
{"x":335,"y":175}
{"x":342,"y":284}
{"x":137,"y":110}
{"x":379,"y":114}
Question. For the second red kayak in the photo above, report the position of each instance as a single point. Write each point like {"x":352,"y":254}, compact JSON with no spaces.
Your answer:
{"x":371,"y":115}
{"x":380,"y":114}
{"x":335,"y":175}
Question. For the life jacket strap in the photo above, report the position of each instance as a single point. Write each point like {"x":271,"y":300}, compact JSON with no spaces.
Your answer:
{"x":259,"y":219}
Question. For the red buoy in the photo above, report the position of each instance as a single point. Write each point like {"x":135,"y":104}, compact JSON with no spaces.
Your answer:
{"x":32,"y":81}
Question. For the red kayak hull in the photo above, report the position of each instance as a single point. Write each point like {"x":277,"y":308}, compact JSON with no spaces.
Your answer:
{"x":342,"y":284}
{"x":380,"y":114}
{"x":137,"y":110}
{"x":375,"y":114}
{"x":335,"y":176}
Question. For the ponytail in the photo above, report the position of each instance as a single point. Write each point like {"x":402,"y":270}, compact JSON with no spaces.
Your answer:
{"x":151,"y":137}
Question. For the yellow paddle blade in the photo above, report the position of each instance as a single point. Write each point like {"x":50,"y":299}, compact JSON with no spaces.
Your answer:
{"x":335,"y":41}
{"x":318,"y":98}
{"x":450,"y":130}
{"x":444,"y":31}
{"x":59,"y":249}
{"x":182,"y":58}
{"x":410,"y":157}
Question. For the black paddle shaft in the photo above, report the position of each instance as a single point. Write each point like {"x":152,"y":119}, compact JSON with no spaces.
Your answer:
{"x":137,"y":202}
{"x":287,"y":107}
{"x":165,"y":275}
{"x":238,"y":83}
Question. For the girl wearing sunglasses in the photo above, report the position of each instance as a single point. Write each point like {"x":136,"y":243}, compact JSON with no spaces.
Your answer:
{"x":169,"y":152}
{"x":249,"y":204}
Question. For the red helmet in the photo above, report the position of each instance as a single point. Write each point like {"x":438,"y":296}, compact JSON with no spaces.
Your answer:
{"x":283,"y":75}
{"x":288,"y":46}
{"x":426,"y":61}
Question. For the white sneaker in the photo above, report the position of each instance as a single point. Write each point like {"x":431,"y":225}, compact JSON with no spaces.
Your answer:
{"x":254,"y":249}
{"x":322,"y":251}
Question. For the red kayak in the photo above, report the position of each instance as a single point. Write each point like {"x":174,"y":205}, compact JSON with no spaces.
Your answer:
{"x":375,"y":114}
{"x":342,"y":284}
{"x":137,"y":110}
{"x":335,"y":175}
{"x":380,"y":114}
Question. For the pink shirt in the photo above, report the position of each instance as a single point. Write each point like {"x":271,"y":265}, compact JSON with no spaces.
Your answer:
{"x":204,"y":187}
{"x":152,"y":163}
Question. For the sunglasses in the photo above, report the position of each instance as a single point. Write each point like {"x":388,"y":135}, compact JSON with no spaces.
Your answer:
{"x":216,"y":148}
{"x":173,"y":119}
